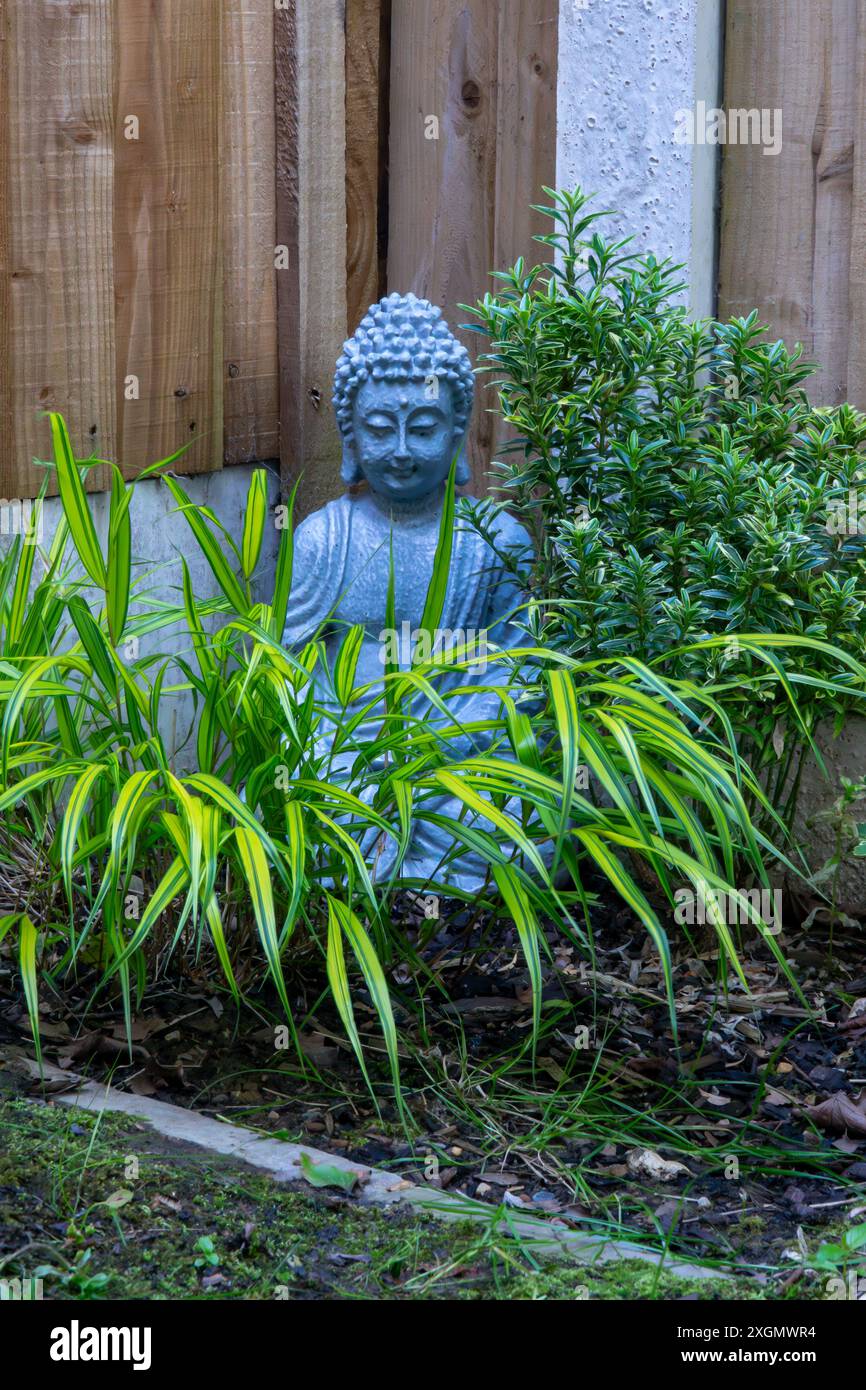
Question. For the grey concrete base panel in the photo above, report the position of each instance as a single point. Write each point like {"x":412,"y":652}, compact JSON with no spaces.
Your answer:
{"x":160,"y":539}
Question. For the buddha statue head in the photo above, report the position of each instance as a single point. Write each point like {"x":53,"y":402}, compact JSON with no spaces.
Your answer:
{"x":403,"y":396}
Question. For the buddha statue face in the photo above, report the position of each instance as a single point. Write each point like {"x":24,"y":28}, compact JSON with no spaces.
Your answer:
{"x":403,"y":394}
{"x":405,"y":437}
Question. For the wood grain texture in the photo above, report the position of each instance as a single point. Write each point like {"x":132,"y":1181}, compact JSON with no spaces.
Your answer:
{"x":833,"y":147}
{"x":152,"y":258}
{"x":526,"y":152}
{"x":793,"y":232}
{"x":442,"y":190}
{"x":288,"y":232}
{"x":168,"y":242}
{"x":311,"y":225}
{"x":56,"y":262}
{"x":250,"y":380}
{"x":526,"y":128}
{"x":856,"y":381}
{"x":9,"y":466}
{"x":458,"y":204}
{"x":366,"y":113}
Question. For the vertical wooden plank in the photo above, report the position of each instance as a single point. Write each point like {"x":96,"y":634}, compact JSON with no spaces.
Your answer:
{"x":778,"y":210}
{"x":526,"y":154}
{"x":250,"y":379}
{"x":480,"y":79}
{"x":856,"y":381}
{"x":56,"y":336}
{"x":287,"y":185}
{"x":9,"y":475}
{"x":168,"y":244}
{"x":525,"y":129}
{"x":367,"y":32}
{"x":834,"y":143}
{"x":794,"y":228}
{"x":443,"y":165}
{"x":311,"y":227}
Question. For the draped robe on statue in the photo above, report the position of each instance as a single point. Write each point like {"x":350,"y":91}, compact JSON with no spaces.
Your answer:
{"x":340,"y":578}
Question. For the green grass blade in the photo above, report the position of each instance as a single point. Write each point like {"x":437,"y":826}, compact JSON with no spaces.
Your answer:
{"x":346,"y":664}
{"x":254,"y":521}
{"x":435,"y":600}
{"x":374,"y":978}
{"x":75,"y":508}
{"x":27,"y":939}
{"x":200,"y":641}
{"x":465,"y":793}
{"x":258,"y":877}
{"x":338,"y":979}
{"x":296,"y":840}
{"x":76,"y":809}
{"x":210,"y":548}
{"x":27,"y":963}
{"x":624,"y":884}
{"x":23,"y":555}
{"x":517,"y":901}
{"x":119,"y":556}
{"x":567,"y":715}
{"x":283,"y":578}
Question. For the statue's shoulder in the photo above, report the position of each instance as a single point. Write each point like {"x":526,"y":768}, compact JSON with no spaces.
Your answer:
{"x":321,"y":528}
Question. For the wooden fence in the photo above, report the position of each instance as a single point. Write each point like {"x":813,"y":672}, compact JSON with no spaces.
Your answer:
{"x":793,"y":235}
{"x":198,"y":198}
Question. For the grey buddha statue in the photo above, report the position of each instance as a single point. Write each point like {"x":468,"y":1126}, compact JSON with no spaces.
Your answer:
{"x":403,"y":398}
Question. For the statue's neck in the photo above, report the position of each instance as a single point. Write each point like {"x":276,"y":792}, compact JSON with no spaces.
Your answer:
{"x":416,"y":509}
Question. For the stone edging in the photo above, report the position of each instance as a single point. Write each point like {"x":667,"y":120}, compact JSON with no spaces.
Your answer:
{"x":281,"y":1161}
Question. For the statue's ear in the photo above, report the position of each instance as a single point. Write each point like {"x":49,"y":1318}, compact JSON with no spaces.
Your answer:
{"x":349,"y":471}
{"x":461,"y":473}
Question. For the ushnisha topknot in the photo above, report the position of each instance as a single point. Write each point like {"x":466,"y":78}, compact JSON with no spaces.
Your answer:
{"x":402,"y":338}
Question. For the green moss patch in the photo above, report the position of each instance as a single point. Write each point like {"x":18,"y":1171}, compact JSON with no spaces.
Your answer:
{"x":104,"y":1208}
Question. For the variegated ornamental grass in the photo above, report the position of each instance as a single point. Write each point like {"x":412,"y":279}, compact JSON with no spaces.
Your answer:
{"x":253,"y":859}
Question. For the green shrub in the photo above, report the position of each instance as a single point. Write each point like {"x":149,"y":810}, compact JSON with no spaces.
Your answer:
{"x":677,"y":483}
{"x":253,"y":860}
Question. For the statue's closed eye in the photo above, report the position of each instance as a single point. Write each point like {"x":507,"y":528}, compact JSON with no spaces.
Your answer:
{"x":379,"y":423}
{"x":423,"y":424}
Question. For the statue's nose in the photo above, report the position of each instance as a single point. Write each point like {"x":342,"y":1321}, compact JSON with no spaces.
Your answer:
{"x":402,"y":451}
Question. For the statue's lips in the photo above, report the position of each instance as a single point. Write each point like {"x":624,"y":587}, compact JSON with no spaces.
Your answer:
{"x":402,"y":470}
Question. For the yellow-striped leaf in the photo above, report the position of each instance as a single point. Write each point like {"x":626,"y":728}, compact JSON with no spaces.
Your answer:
{"x":517,"y":901}
{"x":27,"y":938}
{"x":254,"y":521}
{"x":119,"y":556}
{"x":74,"y":500}
{"x":257,"y":873}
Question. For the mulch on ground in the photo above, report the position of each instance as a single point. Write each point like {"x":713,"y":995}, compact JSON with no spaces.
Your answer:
{"x":744,"y":1141}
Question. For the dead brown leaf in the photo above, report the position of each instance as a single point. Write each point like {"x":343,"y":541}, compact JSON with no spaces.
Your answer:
{"x":840,"y":1114}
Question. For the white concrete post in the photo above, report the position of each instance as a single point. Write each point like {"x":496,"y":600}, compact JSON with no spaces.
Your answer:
{"x":626,"y":69}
